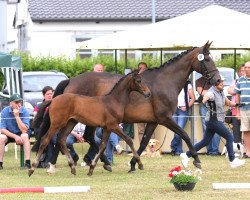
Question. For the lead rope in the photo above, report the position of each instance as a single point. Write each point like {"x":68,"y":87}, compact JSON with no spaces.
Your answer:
{"x":162,"y":142}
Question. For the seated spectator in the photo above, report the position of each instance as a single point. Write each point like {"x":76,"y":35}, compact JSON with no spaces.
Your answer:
{"x":47,"y":92}
{"x":76,"y":135}
{"x":15,"y":121}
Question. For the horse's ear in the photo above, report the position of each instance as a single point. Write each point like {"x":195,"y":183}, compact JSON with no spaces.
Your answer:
{"x":136,"y":72}
{"x":207,"y":46}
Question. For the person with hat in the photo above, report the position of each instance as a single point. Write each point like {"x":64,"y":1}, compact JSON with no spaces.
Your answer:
{"x":15,"y":121}
{"x":215,"y":101}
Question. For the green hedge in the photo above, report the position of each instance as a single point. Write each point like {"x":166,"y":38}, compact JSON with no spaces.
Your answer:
{"x":74,"y":67}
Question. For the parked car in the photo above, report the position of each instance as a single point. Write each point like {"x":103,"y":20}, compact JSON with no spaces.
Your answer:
{"x":228,"y":73}
{"x":34,"y":82}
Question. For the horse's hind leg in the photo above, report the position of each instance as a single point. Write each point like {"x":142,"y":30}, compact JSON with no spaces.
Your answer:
{"x":69,"y":127}
{"x":144,"y":142}
{"x":44,"y":143}
{"x":102,"y":147}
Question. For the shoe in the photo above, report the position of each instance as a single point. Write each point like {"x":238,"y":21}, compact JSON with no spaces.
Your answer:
{"x":27,"y":166}
{"x":51,"y":169}
{"x":184,"y":159}
{"x":75,"y":158}
{"x":119,"y":149}
{"x":245,"y":156}
{"x":237,"y":163}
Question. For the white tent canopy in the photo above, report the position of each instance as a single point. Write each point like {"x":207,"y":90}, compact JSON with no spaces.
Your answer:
{"x":228,"y":29}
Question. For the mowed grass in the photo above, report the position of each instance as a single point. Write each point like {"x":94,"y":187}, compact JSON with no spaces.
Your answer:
{"x":150,"y":183}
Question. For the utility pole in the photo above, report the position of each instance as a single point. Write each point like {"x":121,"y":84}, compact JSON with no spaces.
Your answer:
{"x":3,"y":25}
{"x":153,"y":11}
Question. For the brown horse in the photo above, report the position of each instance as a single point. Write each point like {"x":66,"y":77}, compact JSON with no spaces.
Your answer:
{"x":165,"y":84}
{"x":102,"y":111}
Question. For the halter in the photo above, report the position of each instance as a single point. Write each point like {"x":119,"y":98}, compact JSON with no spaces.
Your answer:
{"x":204,"y":71}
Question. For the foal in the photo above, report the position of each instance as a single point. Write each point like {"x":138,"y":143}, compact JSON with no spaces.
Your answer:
{"x":103,"y":111}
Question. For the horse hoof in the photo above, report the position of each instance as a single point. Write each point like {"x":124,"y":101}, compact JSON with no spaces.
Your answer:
{"x":107,"y":167}
{"x":30,"y":172}
{"x":89,"y":174}
{"x":73,"y":171}
{"x":141,"y":167}
{"x":131,"y":171}
{"x":197,"y":165}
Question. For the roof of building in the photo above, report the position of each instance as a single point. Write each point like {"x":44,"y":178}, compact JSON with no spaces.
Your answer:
{"x":89,"y":10}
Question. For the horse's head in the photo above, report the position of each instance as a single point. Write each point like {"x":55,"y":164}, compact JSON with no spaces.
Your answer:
{"x":139,"y":84}
{"x":204,"y":64}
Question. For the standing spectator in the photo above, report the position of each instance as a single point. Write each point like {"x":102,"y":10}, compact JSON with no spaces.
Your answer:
{"x":202,"y":86}
{"x":215,"y":99}
{"x":15,"y":121}
{"x":47,"y":92}
{"x":242,"y":90}
{"x":98,"y":68}
{"x":186,"y":99}
{"x":236,"y":122}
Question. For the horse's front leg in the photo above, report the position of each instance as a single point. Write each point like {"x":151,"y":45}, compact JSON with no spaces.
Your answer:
{"x":129,"y":141}
{"x":105,"y":137}
{"x":144,"y":142}
{"x":171,"y":124}
{"x":89,"y":137}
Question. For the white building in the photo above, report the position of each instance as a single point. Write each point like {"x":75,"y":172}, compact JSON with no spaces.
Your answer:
{"x":52,"y":27}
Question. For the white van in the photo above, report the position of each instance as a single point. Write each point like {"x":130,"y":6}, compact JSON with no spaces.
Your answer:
{"x":228,"y":73}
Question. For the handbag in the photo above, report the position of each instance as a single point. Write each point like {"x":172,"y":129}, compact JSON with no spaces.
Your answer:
{"x":228,"y":117}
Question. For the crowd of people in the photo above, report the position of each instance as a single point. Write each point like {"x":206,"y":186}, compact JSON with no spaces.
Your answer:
{"x":15,"y":121}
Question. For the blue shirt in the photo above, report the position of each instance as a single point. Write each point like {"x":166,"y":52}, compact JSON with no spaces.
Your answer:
{"x":8,"y":120}
{"x":243,"y":89}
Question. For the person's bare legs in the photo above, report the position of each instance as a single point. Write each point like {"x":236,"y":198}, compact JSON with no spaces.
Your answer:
{"x":3,"y":140}
{"x":246,"y":139}
{"x":26,"y":145}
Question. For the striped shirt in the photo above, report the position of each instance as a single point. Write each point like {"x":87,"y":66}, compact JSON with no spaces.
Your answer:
{"x":243,"y":89}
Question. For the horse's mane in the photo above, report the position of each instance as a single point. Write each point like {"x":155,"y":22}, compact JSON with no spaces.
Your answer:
{"x":118,"y":82}
{"x":174,"y":59}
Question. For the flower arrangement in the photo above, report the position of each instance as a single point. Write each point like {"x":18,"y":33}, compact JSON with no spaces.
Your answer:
{"x":182,"y":177}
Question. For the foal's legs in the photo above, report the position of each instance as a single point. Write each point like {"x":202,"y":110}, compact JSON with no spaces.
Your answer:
{"x":44,"y":143}
{"x":144,"y":142}
{"x":89,"y":137}
{"x":65,"y":131}
{"x":129,"y":141}
{"x":105,"y":137}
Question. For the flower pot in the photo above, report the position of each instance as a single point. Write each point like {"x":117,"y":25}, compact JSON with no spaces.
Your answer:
{"x":188,"y":186}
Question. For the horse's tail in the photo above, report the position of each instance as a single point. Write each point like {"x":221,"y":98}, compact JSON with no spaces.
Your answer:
{"x":61,"y":87}
{"x":44,"y":122}
{"x":37,"y":121}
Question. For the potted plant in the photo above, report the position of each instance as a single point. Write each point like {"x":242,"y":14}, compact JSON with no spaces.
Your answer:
{"x":184,"y":180}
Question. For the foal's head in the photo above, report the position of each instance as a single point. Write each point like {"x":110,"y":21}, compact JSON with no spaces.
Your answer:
{"x":139,"y":85}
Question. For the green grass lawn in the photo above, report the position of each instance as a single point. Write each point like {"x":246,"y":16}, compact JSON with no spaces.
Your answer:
{"x":150,"y":183}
